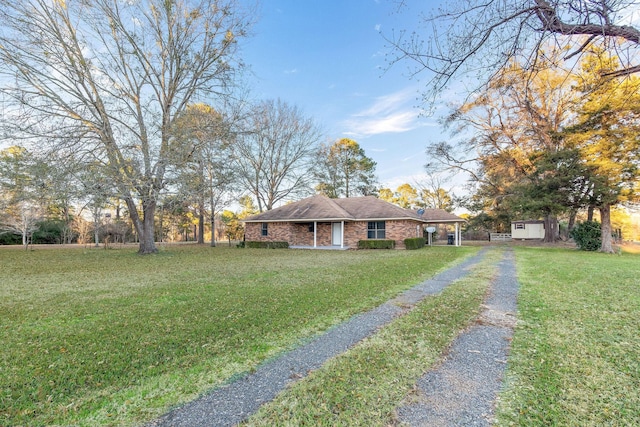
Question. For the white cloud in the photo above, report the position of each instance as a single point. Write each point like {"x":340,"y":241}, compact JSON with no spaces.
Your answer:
{"x":391,"y":102}
{"x":292,"y":71}
{"x":418,"y":155}
{"x":401,"y":121}
{"x":392,"y":113}
{"x":353,"y":134}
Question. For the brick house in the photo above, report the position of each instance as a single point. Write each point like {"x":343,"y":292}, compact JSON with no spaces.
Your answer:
{"x":321,"y":222}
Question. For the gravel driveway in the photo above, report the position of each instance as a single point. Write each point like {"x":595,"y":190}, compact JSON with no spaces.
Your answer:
{"x":483,"y":347}
{"x":463,"y":389}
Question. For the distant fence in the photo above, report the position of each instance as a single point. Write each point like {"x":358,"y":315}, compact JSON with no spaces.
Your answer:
{"x":500,"y":237}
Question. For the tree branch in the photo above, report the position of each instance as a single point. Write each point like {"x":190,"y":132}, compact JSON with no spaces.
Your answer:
{"x":548,"y":16}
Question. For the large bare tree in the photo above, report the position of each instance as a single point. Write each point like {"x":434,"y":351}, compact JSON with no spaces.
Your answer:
{"x":275,"y":152}
{"x":106,"y":79}
{"x":477,"y":38}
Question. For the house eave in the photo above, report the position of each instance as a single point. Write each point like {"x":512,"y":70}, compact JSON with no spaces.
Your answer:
{"x":300,"y":220}
{"x":442,"y":221}
{"x":406,"y":218}
{"x":424,"y":220}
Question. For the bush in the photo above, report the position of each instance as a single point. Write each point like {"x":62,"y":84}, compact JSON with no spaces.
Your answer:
{"x":376,"y":244}
{"x":267,"y":245}
{"x":49,"y":232}
{"x":10,"y":238}
{"x":415,"y":243}
{"x":587,"y":235}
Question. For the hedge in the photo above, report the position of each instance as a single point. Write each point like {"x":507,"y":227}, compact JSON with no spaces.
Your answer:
{"x":415,"y":243}
{"x":376,"y":244}
{"x":266,"y":245}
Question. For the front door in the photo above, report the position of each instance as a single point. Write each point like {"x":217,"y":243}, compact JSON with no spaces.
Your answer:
{"x":336,"y":234}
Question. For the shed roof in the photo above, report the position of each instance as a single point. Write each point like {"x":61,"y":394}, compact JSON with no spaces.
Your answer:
{"x":321,"y":208}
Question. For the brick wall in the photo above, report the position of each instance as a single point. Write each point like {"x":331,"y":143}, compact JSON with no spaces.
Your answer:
{"x":277,"y":232}
{"x":400,"y":230}
{"x":394,"y":230}
{"x":354,"y":231}
{"x":299,"y":234}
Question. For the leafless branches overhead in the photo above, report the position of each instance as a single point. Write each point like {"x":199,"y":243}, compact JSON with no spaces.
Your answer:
{"x":472,"y":39}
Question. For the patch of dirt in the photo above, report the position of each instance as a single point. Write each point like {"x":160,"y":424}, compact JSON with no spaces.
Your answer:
{"x":497,"y":318}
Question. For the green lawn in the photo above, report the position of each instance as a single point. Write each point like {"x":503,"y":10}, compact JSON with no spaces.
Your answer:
{"x":575,"y":357}
{"x":94,"y":337}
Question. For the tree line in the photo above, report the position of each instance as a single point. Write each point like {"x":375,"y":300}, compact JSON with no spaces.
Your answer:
{"x":554,"y":143}
{"x":137,"y":107}
{"x":550,"y":125}
{"x":247,"y":168}
{"x":140,"y":102}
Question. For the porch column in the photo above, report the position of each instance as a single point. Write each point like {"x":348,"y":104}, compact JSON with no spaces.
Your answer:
{"x":458,"y":237}
{"x":315,"y":233}
{"x":341,"y":234}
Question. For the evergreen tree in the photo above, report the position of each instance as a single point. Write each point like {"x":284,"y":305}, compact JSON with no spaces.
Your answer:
{"x":345,"y":170}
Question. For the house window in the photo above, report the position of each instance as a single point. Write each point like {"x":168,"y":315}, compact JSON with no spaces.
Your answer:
{"x":265,"y":229}
{"x":519,"y":226}
{"x":311,"y":228}
{"x":375,"y":230}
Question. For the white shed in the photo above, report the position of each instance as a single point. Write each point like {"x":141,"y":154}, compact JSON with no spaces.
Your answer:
{"x":527,"y":230}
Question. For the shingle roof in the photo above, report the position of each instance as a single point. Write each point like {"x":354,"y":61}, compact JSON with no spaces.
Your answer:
{"x":440,"y":215}
{"x":309,"y":209}
{"x":321,"y":208}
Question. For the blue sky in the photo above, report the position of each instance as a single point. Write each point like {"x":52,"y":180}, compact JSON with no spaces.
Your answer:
{"x":328,"y":58}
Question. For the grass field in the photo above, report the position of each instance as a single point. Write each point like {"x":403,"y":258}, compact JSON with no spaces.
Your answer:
{"x":106,"y":337}
{"x":95,"y":337}
{"x":575,"y":357}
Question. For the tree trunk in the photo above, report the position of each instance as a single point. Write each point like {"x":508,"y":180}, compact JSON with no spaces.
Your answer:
{"x":161,"y":225}
{"x":550,"y":229}
{"x":213,"y":220}
{"x":96,"y":233}
{"x":147,"y":238}
{"x":572,"y":221}
{"x":25,"y":238}
{"x":144,"y":229}
{"x":346,"y":186}
{"x":213,"y":231}
{"x":605,"y":226}
{"x":590,"y":210}
{"x":201,"y":226}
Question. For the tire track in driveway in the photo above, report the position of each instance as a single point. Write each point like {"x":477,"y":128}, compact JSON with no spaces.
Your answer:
{"x":462,"y":390}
